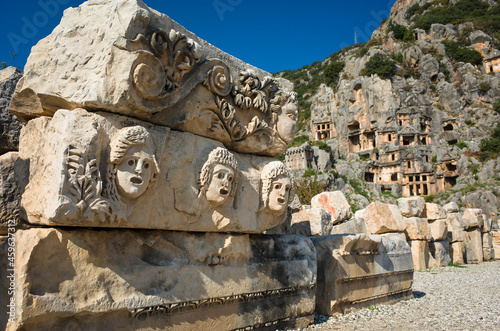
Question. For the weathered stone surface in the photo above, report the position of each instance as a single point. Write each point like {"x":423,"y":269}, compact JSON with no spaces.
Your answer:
{"x":440,"y":256}
{"x":10,"y":127}
{"x":496,"y":242}
{"x":420,"y":254}
{"x":487,"y":222}
{"x":438,"y":230}
{"x":356,"y":271}
{"x":352,"y":226}
{"x":417,"y":228}
{"x":105,"y":170}
{"x":161,"y":73}
{"x":473,"y":246}
{"x":457,"y":252}
{"x":311,"y":222}
{"x":488,"y":250}
{"x":456,"y":227}
{"x":412,"y":207}
{"x":13,"y":174}
{"x":380,"y":219}
{"x":131,"y":280}
{"x":473,"y":218}
{"x":434,"y":211}
{"x":451,"y":207}
{"x":334,"y":203}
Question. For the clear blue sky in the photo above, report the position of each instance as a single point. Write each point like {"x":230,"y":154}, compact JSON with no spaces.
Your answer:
{"x":273,"y":35}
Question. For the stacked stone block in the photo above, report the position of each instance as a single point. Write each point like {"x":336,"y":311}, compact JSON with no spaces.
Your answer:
{"x":438,"y":244}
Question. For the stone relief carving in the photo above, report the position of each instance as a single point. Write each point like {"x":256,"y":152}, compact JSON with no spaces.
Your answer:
{"x":132,"y":167}
{"x":173,"y":56}
{"x":218,"y":177}
{"x":277,"y":188}
{"x":252,"y":113}
{"x":82,"y":192}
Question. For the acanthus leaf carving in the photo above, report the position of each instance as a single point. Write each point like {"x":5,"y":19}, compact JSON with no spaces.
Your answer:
{"x":251,"y":92}
{"x":164,"y":59}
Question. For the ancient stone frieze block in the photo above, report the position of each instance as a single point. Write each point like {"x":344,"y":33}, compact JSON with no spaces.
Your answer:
{"x":123,"y":57}
{"x":104,"y":170}
{"x":356,"y":271}
{"x":136,"y":280}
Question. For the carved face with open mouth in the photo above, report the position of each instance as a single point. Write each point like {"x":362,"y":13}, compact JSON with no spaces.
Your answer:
{"x":279,"y":195}
{"x":220,"y":186}
{"x":134,"y":173}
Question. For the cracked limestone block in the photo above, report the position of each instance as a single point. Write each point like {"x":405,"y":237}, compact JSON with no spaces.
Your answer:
{"x":356,"y":271}
{"x":487,"y":223}
{"x":379,"y":219}
{"x":438,"y":230}
{"x":80,"y":279}
{"x":473,"y":218}
{"x":473,"y":246}
{"x":105,"y":170}
{"x":335,"y":203}
{"x":420,"y":254}
{"x":439,"y":254}
{"x":311,"y":222}
{"x":412,"y":207}
{"x":434,"y":211}
{"x":457,"y":252}
{"x":488,"y":250}
{"x":417,"y":228}
{"x":123,"y":57}
{"x":456,"y":227}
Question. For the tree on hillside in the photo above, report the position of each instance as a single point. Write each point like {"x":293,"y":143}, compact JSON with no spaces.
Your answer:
{"x":380,"y":65}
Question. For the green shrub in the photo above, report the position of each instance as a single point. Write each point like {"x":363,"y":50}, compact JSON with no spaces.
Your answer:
{"x":332,"y":72}
{"x":398,"y":30}
{"x":309,"y":173}
{"x":380,"y":65}
{"x":281,"y":157}
{"x":322,"y":145}
{"x":496,"y":106}
{"x":362,"y":51}
{"x":3,"y":65}
{"x":461,"y":144}
{"x":434,"y":158}
{"x":484,"y":87}
{"x":307,"y":188}
{"x":444,"y":69}
{"x":490,"y":147}
{"x":397,"y":57}
{"x":468,"y":122}
{"x":462,"y":54}
{"x":299,"y":140}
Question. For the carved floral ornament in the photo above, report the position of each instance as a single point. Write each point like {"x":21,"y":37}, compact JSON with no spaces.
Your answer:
{"x":168,"y":61}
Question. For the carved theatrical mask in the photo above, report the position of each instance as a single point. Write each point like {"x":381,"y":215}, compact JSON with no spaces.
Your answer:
{"x":287,"y":121}
{"x":219,"y":176}
{"x":278,"y":188}
{"x":134,"y":173}
{"x":280,"y":194}
{"x":132,"y":162}
{"x":220,"y":185}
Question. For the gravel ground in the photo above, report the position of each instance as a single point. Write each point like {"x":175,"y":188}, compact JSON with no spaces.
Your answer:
{"x":449,"y":298}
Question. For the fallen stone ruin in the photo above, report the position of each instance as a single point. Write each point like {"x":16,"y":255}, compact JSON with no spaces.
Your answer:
{"x":145,"y":194}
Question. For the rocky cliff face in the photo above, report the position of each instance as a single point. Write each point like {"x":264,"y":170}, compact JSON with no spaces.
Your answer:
{"x":414,"y":102}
